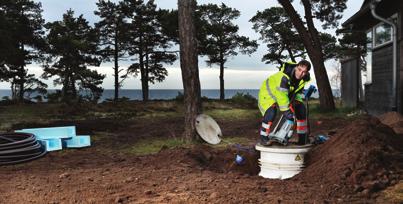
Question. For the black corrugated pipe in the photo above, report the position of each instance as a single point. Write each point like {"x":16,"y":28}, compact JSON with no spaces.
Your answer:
{"x":19,"y":147}
{"x":394,"y":27}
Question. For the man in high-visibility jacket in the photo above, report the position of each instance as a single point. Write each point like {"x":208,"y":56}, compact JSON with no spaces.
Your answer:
{"x":284,"y":90}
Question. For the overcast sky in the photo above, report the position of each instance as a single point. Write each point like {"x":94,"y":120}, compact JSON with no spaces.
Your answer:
{"x":243,"y":71}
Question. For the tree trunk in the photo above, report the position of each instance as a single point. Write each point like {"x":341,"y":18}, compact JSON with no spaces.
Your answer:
{"x":21,"y":85}
{"x":73,"y":89}
{"x":65,"y":88}
{"x":22,"y":79}
{"x":146,"y":78}
{"x":325,"y":91}
{"x":189,"y":66}
{"x":310,"y":38}
{"x":13,"y":91}
{"x":143,"y":85}
{"x":222,"y":94}
{"x":143,"y":72}
{"x":116,"y":69}
{"x":290,"y":53}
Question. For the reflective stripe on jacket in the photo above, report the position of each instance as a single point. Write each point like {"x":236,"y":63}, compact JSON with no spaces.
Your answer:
{"x":278,"y":88}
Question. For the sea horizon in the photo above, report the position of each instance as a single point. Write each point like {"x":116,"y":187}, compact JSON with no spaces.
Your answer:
{"x":167,"y":94}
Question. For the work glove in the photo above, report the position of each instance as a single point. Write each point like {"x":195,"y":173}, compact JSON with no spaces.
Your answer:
{"x":289,"y":115}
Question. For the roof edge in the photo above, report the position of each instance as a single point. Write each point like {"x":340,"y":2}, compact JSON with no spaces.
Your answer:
{"x":365,"y":7}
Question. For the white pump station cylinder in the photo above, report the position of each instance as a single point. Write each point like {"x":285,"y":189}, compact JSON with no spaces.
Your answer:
{"x":281,"y":162}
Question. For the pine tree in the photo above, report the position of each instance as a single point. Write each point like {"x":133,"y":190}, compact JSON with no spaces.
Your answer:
{"x":283,"y":41}
{"x":21,"y":43}
{"x":328,"y":12}
{"x":148,"y":43}
{"x":113,"y":36}
{"x":277,"y":30}
{"x":221,"y":39}
{"x":189,"y":66}
{"x":72,"y":47}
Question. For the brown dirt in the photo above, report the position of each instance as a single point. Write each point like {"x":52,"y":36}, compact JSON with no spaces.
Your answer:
{"x":364,"y":157}
{"x":394,"y":120}
{"x":361,"y":158}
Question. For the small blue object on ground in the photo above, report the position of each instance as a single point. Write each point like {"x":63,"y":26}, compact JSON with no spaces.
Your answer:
{"x":319,"y":139}
{"x":239,"y":159}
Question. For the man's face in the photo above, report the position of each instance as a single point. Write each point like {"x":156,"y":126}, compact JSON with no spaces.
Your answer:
{"x":300,"y":72}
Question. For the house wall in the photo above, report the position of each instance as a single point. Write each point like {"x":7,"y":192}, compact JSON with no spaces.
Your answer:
{"x":400,"y":56}
{"x":378,"y":94}
{"x":349,"y":82}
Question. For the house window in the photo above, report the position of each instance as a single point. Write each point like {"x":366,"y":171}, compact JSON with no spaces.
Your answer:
{"x":382,"y":34}
{"x":377,"y":36}
{"x":368,"y":58}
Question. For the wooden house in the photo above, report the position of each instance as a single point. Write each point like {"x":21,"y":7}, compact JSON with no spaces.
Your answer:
{"x":383,"y":87}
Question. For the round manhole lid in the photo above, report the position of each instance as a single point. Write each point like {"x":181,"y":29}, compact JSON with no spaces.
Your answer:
{"x":208,"y":129}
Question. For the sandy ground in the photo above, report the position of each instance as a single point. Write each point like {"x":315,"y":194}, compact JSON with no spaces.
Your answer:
{"x":362,"y":158}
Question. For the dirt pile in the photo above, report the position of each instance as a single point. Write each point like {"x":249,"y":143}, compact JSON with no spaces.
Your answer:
{"x":363,"y":157}
{"x":224,"y":160}
{"x":393,"y":120}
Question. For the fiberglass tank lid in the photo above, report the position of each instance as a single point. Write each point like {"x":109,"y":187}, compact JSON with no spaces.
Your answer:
{"x":208,"y":129}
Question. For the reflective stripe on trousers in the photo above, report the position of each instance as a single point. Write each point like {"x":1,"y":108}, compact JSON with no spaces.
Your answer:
{"x":265,"y":130}
{"x":301,"y":127}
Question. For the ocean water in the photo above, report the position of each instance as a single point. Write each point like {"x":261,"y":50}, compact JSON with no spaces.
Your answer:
{"x":164,"y":94}
{"x":136,"y":94}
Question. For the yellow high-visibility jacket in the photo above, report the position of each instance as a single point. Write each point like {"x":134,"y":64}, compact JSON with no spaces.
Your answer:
{"x":280,"y":87}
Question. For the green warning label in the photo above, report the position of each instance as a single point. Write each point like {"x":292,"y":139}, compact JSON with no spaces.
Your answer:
{"x":298,"y":158}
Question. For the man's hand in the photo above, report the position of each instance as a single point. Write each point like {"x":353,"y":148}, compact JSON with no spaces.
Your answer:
{"x":288,"y":115}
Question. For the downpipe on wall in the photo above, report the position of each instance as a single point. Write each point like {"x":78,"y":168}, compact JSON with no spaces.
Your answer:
{"x":394,"y":38}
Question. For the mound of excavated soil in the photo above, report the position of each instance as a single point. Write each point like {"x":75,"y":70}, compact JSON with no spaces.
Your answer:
{"x":361,"y":158}
{"x":365,"y":156}
{"x":223,"y":161}
{"x":393,"y":120}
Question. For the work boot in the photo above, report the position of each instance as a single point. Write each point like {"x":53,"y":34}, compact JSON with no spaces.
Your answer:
{"x":264,"y":140}
{"x":302,"y":139}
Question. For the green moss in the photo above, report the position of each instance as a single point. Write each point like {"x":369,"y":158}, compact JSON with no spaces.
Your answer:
{"x":234,"y":140}
{"x":160,"y":115}
{"x":13,"y":114}
{"x":232,"y":114}
{"x":340,"y":112}
{"x":100,"y":136}
{"x":244,"y":99}
{"x":150,"y":146}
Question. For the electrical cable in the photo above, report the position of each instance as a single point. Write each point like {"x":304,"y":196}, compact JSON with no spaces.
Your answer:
{"x":19,"y":147}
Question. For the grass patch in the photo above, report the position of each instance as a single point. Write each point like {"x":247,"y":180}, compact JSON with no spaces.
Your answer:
{"x":26,"y":113}
{"x":160,"y":115}
{"x":145,"y":147}
{"x":100,"y":136}
{"x":232,"y":141}
{"x":345,"y":112}
{"x":22,"y":111}
{"x":232,"y":114}
{"x":151,"y":146}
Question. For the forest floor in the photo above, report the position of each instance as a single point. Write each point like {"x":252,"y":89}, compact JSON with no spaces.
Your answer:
{"x":137,"y":156}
